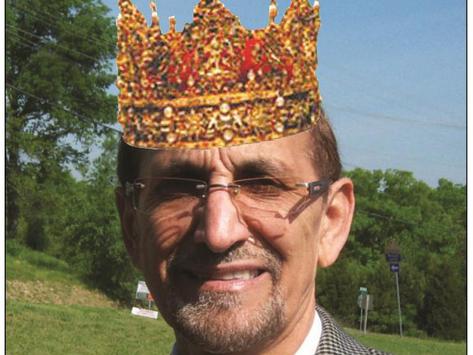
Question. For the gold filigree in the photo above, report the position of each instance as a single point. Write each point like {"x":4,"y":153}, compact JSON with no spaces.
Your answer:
{"x":216,"y":83}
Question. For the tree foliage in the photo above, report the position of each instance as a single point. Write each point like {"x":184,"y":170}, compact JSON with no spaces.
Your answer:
{"x":92,"y":236}
{"x":429,"y":225}
{"x":58,"y":71}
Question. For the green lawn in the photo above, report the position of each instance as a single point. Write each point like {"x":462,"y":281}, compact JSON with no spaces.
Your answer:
{"x":49,"y":311}
{"x":407,"y":345}
{"x":24,"y":264}
{"x":56,"y":329}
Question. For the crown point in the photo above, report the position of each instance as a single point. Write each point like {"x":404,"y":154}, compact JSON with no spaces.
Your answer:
{"x":172,"y":24}
{"x":273,"y":12}
{"x":152,"y":6}
{"x":316,"y":4}
{"x":154,"y":14}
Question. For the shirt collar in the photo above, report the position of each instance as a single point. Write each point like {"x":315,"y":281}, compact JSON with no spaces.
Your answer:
{"x":311,"y":341}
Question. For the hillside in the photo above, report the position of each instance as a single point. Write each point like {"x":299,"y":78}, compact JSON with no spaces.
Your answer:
{"x":50,"y":311}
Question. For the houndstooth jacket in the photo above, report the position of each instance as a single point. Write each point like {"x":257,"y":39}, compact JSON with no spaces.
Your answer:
{"x":334,"y":341}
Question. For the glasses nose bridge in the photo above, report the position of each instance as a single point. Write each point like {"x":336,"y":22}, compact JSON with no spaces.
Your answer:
{"x":233,"y":189}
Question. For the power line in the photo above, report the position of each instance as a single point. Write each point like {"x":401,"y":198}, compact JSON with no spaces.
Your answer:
{"x":396,"y":119}
{"x":34,"y":14}
{"x":33,"y":45}
{"x":41,"y":45}
{"x":395,"y":101}
{"x":390,"y":89}
{"x":78,"y":115}
{"x":55,"y":44}
{"x":388,"y":218}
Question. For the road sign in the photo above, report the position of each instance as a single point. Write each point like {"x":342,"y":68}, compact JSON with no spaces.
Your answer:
{"x":393,"y":258}
{"x":142,"y":291}
{"x":365,"y":301}
{"x":394,"y":267}
{"x":363,"y":290}
{"x":144,"y":313}
{"x":392,"y":252}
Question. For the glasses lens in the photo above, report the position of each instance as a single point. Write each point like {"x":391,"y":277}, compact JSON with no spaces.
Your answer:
{"x":269,"y":197}
{"x":167,"y":195}
{"x":266,"y":204}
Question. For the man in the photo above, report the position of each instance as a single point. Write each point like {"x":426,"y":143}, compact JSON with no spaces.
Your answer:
{"x":231,"y":191}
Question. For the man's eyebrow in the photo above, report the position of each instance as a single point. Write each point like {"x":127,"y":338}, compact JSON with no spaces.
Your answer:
{"x":181,"y":168}
{"x":250,"y":168}
{"x":261,"y":167}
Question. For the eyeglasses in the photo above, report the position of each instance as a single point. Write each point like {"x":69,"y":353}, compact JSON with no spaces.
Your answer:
{"x":263,"y":197}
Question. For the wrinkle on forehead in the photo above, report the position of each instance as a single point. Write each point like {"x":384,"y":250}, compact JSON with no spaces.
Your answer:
{"x":283,"y":157}
{"x":164,"y":162}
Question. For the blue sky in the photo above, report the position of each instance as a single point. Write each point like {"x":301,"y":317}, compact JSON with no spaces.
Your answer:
{"x":392,"y":75}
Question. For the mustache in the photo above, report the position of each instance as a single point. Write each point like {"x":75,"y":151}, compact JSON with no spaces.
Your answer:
{"x":199,"y":256}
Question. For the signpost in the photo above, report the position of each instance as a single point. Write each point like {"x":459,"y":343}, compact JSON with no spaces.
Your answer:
{"x":365,"y":302}
{"x":363,"y":291}
{"x":394,"y":267}
{"x":393,"y":256}
{"x":143,"y":294}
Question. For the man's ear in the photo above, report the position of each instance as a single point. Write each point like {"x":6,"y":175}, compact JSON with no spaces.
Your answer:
{"x":127,"y":215}
{"x":336,"y":221}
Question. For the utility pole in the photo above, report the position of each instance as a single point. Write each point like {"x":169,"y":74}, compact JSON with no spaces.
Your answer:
{"x":393,"y":256}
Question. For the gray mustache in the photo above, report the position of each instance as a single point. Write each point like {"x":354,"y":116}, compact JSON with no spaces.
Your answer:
{"x":200,"y":257}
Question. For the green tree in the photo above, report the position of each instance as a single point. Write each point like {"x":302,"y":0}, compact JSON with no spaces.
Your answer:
{"x":429,"y":225}
{"x":92,"y":236}
{"x":58,"y":71}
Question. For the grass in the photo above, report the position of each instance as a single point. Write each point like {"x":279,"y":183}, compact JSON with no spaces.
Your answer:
{"x":408,"y":345}
{"x":56,"y":329}
{"x":49,"y":311}
{"x":24,"y":264}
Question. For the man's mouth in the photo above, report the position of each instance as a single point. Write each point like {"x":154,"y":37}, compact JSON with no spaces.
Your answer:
{"x":227,"y":277}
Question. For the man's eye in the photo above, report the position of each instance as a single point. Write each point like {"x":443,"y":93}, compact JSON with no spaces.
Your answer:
{"x":172,"y":190}
{"x":264,"y":188}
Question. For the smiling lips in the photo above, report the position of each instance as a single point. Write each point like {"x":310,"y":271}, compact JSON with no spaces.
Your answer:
{"x":227,"y":277}
{"x":242,"y":275}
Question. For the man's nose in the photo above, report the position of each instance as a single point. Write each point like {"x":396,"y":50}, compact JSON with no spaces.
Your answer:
{"x":221,"y":225}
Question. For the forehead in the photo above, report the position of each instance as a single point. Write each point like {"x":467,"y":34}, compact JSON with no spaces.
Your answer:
{"x":291,"y":156}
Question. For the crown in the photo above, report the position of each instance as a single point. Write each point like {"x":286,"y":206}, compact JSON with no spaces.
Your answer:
{"x":216,"y":83}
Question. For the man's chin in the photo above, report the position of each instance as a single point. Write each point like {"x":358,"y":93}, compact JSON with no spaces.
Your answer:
{"x":221,"y":322}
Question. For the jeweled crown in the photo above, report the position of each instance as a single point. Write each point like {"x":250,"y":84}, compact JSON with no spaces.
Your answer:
{"x":216,"y":83}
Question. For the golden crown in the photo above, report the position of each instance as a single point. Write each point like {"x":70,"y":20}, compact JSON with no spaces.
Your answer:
{"x":216,"y":83}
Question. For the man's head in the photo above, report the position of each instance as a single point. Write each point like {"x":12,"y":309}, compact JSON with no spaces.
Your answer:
{"x":233,"y":268}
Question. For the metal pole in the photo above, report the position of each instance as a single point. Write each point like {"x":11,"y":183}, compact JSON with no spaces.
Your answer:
{"x":361,"y":316}
{"x":399,"y":302}
{"x":366,"y":310}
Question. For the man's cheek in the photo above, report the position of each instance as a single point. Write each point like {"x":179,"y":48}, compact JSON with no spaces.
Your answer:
{"x":161,"y":238}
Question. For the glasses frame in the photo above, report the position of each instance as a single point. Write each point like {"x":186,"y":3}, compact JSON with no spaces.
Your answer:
{"x":314,"y":188}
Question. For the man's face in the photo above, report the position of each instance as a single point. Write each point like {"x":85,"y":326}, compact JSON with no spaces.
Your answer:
{"x":226,"y":276}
